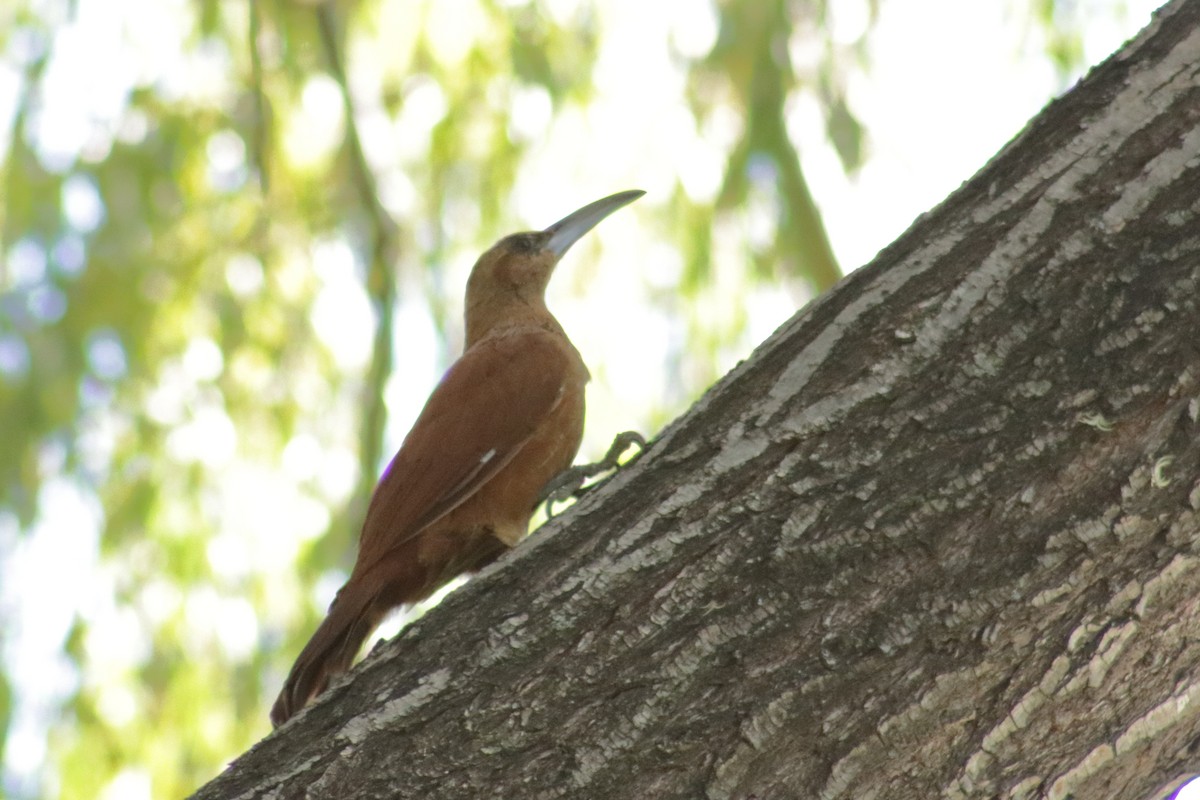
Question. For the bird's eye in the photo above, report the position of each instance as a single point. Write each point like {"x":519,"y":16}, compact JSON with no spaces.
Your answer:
{"x":522,"y":242}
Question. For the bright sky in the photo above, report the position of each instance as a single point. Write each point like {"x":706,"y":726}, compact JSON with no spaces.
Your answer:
{"x":949,"y":84}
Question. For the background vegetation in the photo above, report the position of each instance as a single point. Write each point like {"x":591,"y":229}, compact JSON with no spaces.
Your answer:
{"x":233,"y":240}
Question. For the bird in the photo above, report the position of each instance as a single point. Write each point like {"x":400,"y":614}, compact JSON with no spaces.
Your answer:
{"x":503,"y":422}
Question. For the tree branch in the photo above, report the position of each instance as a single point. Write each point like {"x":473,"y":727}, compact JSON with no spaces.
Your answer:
{"x":261,"y":136}
{"x":938,"y":537}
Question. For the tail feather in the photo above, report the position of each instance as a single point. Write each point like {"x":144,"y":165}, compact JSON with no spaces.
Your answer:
{"x":352,"y":616}
{"x":409,"y":574}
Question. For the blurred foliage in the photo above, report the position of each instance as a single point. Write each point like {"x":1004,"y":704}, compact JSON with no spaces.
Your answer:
{"x":1059,"y":23}
{"x":168,"y":234}
{"x":751,"y":61}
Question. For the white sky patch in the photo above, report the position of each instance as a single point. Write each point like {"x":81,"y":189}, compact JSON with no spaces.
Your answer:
{"x":418,"y":368}
{"x":213,"y":618}
{"x":159,"y":599}
{"x":700,"y":168}
{"x":264,"y":519}
{"x":117,"y":703}
{"x":106,"y":354}
{"x":693,"y":27}
{"x":848,"y":20}
{"x":38,"y":614}
{"x":337,"y":474}
{"x":198,"y":73}
{"x":166,"y":403}
{"x":314,"y":130}
{"x":26,"y":264}
{"x":532,"y":111}
{"x":81,"y":203}
{"x":81,"y":102}
{"x":202,"y":359}
{"x":226,"y":154}
{"x":452,"y":28}
{"x":424,"y":106}
{"x":244,"y":274}
{"x":376,"y":132}
{"x":924,"y":144}
{"x":207,"y":437}
{"x":116,"y":643}
{"x":326,"y":588}
{"x":342,"y":316}
{"x":397,"y":194}
{"x":301,"y":456}
{"x":129,"y":784}
{"x":1189,"y":792}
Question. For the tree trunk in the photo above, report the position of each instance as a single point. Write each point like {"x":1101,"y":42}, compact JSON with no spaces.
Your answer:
{"x":937,"y":538}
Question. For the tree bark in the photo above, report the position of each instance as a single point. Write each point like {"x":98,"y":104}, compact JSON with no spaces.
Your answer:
{"x":937,"y":538}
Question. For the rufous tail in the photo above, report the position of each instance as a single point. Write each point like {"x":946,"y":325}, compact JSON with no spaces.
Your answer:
{"x":352,"y":616}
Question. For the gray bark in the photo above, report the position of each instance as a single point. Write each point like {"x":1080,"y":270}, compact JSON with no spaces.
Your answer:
{"x":938,"y":538}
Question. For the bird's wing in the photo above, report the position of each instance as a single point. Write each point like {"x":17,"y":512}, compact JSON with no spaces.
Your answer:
{"x":482,"y":412}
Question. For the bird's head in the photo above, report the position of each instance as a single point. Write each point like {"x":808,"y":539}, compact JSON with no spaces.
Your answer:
{"x":517,"y":268}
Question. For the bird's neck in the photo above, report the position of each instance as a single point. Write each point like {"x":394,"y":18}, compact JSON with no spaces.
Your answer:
{"x":494,"y":315}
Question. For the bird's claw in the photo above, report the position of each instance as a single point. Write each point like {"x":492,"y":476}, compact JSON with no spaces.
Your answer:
{"x":569,"y":482}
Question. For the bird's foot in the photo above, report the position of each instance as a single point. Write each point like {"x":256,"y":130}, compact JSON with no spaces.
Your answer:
{"x":569,"y":483}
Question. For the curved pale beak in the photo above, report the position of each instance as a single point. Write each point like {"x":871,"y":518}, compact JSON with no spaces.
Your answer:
{"x":571,"y":228}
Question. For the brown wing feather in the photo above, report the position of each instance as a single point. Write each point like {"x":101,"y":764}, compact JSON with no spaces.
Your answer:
{"x":485,"y":408}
